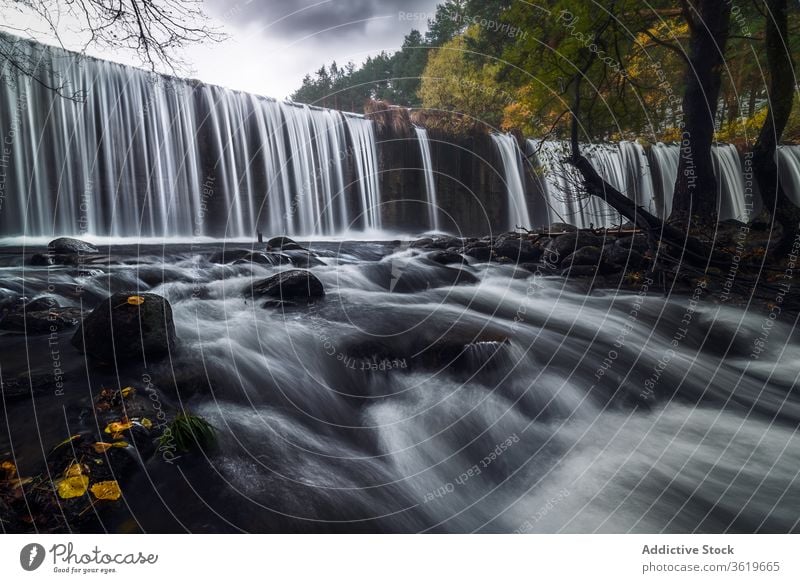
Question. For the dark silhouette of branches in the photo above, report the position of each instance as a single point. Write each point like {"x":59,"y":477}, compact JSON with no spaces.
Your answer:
{"x":154,"y":30}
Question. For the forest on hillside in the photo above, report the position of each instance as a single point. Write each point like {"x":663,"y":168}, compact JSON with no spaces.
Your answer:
{"x":517,"y":65}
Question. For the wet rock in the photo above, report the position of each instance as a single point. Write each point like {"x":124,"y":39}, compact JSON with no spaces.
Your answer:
{"x":126,"y":331}
{"x":636,"y":242}
{"x":446,"y":257}
{"x":412,"y":279}
{"x":625,"y":258}
{"x":580,"y":271}
{"x":565,"y":245}
{"x":424,"y":243}
{"x":519,"y":250}
{"x":9,"y":300}
{"x":40,"y":321}
{"x":583,"y":256}
{"x":42,"y":303}
{"x":42,"y":260}
{"x":230,"y":255}
{"x":561,"y":228}
{"x":303,"y":259}
{"x":284,"y":244}
{"x":291,"y":285}
{"x":479,"y":250}
{"x":70,"y":246}
{"x":269,"y":258}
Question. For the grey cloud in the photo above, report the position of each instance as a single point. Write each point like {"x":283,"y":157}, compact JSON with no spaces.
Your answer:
{"x":293,"y":18}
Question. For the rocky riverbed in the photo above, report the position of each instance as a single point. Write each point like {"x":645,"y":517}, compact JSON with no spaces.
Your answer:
{"x":345,"y":382}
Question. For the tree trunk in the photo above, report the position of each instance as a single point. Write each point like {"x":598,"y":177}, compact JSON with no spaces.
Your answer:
{"x":780,"y":93}
{"x":696,"y":186}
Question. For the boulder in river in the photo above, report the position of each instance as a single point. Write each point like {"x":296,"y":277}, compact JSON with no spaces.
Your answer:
{"x":40,"y":321}
{"x":636,"y":242}
{"x":70,"y":246}
{"x":229,"y":255}
{"x":291,"y":285}
{"x":284,"y":244}
{"x":127,"y":327}
{"x":588,"y":255}
{"x":518,"y":250}
{"x":446,"y":257}
{"x":627,"y":258}
{"x":42,"y":260}
{"x":565,"y":245}
{"x":42,"y":303}
{"x":479,"y":250}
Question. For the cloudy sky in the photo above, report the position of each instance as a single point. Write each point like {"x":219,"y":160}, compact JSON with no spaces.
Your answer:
{"x":272,"y":44}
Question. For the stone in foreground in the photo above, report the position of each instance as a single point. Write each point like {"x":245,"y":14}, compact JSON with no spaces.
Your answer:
{"x":291,"y":285}
{"x":126,"y":328}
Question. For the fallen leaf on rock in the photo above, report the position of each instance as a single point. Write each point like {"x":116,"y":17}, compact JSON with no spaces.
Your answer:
{"x":117,"y":427}
{"x":102,"y":447}
{"x":146,"y":423}
{"x":73,"y":487}
{"x":9,"y":468}
{"x":74,"y":469}
{"x":106,"y":490}
{"x":127,"y":392}
{"x":135,"y":300}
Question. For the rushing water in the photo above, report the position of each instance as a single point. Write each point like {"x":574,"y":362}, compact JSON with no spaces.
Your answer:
{"x":518,"y":403}
{"x":513,"y":175}
{"x":648,"y":179}
{"x":430,"y":180}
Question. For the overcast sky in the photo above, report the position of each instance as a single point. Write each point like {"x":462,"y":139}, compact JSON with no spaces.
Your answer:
{"x":272,"y":44}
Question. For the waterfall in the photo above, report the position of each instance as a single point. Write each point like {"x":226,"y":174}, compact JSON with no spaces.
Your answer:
{"x":363,"y":134}
{"x":788,"y":159}
{"x":649,"y":181}
{"x":736,"y":200}
{"x":146,"y":155}
{"x":730,"y":183}
{"x":562,"y":181}
{"x":430,"y":182}
{"x":511,"y":158}
{"x":665,"y":161}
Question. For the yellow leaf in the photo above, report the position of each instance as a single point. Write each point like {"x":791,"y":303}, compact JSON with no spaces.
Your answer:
{"x":135,"y":300}
{"x":9,"y":468}
{"x":120,"y":444}
{"x":146,"y":423}
{"x":102,"y":447}
{"x":74,"y":469}
{"x":117,"y":427}
{"x":107,"y":490}
{"x":127,"y":392}
{"x":73,"y":487}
